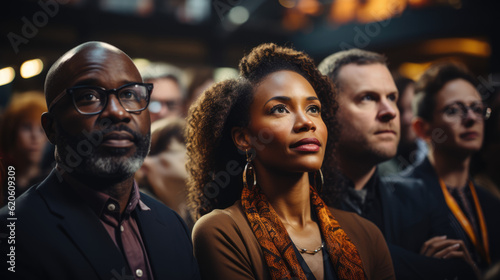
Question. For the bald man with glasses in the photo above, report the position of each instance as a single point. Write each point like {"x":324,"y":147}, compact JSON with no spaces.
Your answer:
{"x":87,"y":219}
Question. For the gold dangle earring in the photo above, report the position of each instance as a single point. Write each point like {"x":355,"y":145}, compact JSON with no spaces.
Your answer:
{"x":318,"y":189}
{"x":249,"y":168}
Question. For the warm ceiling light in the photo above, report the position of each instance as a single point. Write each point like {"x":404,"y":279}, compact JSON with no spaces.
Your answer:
{"x":31,"y":68}
{"x":309,"y":7}
{"x":7,"y":75}
{"x":413,"y":70}
{"x":294,"y":20}
{"x":418,"y":3}
{"x":288,"y":3}
{"x":379,"y":10}
{"x":343,"y":11}
{"x":457,"y":45}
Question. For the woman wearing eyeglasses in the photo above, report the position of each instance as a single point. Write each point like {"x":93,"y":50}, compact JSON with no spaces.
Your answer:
{"x":256,"y":147}
{"x":450,"y":118}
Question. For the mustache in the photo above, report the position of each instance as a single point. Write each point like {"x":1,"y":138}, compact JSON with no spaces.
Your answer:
{"x":99,"y":133}
{"x":121,"y":127}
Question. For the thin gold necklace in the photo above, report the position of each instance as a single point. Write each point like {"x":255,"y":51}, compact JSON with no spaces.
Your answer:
{"x":313,"y":252}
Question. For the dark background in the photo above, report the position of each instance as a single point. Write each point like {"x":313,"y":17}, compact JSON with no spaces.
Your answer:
{"x":199,"y":33}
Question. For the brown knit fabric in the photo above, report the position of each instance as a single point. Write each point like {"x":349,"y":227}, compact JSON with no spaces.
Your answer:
{"x":278,"y":247}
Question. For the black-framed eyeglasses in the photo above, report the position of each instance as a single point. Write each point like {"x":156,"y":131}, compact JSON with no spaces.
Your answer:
{"x":459,"y":109}
{"x":91,"y":100}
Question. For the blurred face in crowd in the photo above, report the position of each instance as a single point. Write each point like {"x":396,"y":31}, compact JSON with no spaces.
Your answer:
{"x":30,"y":142}
{"x":458,"y":122}
{"x":166,"y":99}
{"x":168,"y":165}
{"x":408,"y":135}
{"x":165,"y":173}
{"x":368,"y":115}
{"x":286,"y":123}
{"x":112,"y":143}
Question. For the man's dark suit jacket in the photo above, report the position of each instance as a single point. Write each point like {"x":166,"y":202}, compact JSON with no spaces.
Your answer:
{"x":58,"y":236}
{"x":412,"y":217}
{"x":489,"y":204}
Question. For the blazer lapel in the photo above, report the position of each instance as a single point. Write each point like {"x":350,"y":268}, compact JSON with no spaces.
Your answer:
{"x":159,"y":241}
{"x":82,"y":225}
{"x":386,"y":190}
{"x":154,"y":234}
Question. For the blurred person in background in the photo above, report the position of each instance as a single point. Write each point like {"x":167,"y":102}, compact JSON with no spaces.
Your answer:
{"x":450,"y":118}
{"x":169,"y":92}
{"x":486,"y":164}
{"x":23,"y":139}
{"x":163,"y":174}
{"x":201,"y":78}
{"x":411,"y":149}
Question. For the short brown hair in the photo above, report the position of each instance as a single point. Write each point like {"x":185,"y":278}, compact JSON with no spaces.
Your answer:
{"x":432,"y":81}
{"x":330,"y":66}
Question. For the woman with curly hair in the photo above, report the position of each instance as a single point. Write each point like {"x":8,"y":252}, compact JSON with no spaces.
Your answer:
{"x":256,"y":147}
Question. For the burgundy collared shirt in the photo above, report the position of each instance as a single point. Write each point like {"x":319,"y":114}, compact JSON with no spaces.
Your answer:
{"x":123,"y":229}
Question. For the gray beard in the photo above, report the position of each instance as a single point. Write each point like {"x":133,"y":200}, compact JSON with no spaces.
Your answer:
{"x":111,"y":166}
{"x":94,"y":164}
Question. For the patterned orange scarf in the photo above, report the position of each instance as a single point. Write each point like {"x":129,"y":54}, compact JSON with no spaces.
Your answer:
{"x":278,"y":247}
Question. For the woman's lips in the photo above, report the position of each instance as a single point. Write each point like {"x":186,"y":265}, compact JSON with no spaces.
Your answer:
{"x":386,"y":131}
{"x":307,"y":148}
{"x":469,"y":135}
{"x":306,"y":145}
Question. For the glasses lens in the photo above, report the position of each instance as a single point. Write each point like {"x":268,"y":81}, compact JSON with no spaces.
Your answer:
{"x":134,"y":97}
{"x":452,"y":110}
{"x":88,"y":100}
{"x":478,"y":110}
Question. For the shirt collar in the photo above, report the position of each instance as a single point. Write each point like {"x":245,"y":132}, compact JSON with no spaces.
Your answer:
{"x":355,"y":199}
{"x":370,"y":185}
{"x":98,"y":200}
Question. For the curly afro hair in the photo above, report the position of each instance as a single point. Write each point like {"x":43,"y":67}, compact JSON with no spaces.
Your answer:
{"x":214,"y":162}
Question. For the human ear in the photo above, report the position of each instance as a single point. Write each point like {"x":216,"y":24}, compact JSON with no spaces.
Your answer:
{"x":422,"y":128}
{"x":241,"y":139}
{"x":49,"y":127}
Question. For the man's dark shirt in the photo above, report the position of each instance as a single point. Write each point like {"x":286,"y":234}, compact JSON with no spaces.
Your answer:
{"x":365,"y":202}
{"x":122,"y":229}
{"x":407,"y":216}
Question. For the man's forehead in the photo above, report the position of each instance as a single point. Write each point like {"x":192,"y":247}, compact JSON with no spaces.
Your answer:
{"x":366,"y":77}
{"x":94,"y":56}
{"x":88,"y":51}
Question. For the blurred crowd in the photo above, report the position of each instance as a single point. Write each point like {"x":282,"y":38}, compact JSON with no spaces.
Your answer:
{"x":163,"y":175}
{"x":24,"y":145}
